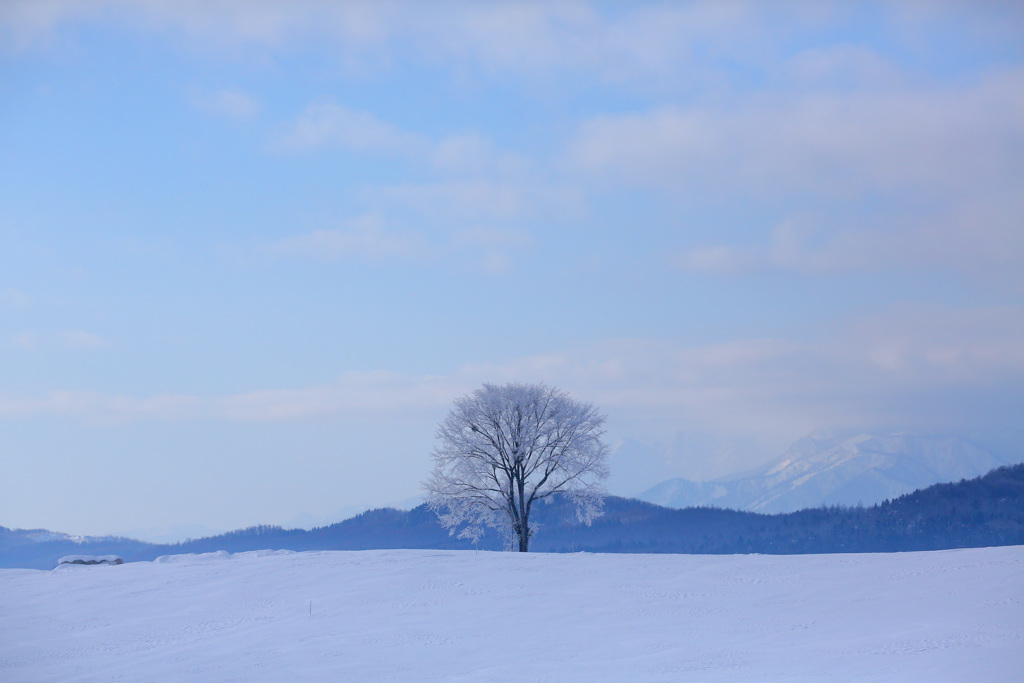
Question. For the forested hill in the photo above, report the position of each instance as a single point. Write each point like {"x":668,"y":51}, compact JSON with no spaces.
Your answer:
{"x":987,"y":511}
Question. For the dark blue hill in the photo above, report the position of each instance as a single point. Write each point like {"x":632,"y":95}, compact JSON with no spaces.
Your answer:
{"x":987,"y":511}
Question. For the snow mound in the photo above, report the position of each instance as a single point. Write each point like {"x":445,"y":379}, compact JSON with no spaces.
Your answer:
{"x":196,"y":558}
{"x":89,"y":560}
{"x":193,"y":558}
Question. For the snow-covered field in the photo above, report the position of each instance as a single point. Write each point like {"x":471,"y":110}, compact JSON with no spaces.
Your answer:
{"x":430,"y":615}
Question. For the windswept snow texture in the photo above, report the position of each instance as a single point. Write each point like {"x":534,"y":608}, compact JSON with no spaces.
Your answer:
{"x":458,"y":615}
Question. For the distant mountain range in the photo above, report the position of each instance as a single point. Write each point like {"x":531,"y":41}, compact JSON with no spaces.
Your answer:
{"x":986,"y":511}
{"x":825,"y":470}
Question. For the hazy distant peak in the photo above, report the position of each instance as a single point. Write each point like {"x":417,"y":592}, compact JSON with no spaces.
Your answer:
{"x":823,"y":469}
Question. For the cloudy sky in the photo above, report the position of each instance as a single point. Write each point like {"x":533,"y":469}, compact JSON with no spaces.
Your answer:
{"x":250,"y":251}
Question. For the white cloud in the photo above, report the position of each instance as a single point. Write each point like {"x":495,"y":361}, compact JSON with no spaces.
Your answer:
{"x":365,"y":237}
{"x":26,"y":341}
{"x":27,"y":22}
{"x":721,"y":260}
{"x":795,"y":244}
{"x":481,"y":199}
{"x":329,"y":124}
{"x":473,"y":154}
{"x":13,"y":297}
{"x":844,"y":65}
{"x":911,"y":367}
{"x":981,"y":237}
{"x":219,"y":22}
{"x":925,"y":178}
{"x":493,"y":239}
{"x":369,"y":238}
{"x":491,"y":249}
{"x":468,"y":152}
{"x":527,"y":38}
{"x":471,"y":219}
{"x":842,"y":144}
{"x":359,"y":396}
{"x":333,"y":125}
{"x":78,"y":339}
{"x":232,"y":103}
{"x":649,"y":45}
{"x":470,"y":199}
{"x":73,"y":340}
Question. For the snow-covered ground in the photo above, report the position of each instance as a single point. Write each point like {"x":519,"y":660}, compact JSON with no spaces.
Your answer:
{"x":430,"y":615}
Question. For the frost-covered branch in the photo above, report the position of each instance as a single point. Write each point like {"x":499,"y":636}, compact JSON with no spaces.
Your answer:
{"x":504,"y":447}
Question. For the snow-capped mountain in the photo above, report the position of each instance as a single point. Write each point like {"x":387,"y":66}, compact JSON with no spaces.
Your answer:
{"x":825,"y":470}
{"x":45,"y":536}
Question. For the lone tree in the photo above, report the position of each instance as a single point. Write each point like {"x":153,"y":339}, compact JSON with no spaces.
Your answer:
{"x":503,"y":448}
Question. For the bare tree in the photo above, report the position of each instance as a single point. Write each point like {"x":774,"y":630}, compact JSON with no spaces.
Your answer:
{"x":503,"y":448}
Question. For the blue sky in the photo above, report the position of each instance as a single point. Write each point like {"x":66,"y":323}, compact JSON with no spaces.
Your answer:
{"x":250,"y":252}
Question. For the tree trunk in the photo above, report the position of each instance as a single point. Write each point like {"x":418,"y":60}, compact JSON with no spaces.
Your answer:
{"x":524,"y":519}
{"x":523,"y":534}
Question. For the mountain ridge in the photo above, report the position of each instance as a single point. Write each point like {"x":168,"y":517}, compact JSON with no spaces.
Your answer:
{"x":826,"y":470}
{"x":984,"y":511}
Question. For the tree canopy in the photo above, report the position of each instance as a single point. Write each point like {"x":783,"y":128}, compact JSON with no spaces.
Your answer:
{"x":503,"y":448}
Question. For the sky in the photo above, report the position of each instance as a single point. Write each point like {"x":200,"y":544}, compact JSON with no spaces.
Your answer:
{"x":251,"y":251}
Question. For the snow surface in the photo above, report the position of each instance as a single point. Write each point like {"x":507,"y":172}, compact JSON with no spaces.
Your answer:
{"x":458,"y":615}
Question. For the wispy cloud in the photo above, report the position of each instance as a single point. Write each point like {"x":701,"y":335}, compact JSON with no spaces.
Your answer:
{"x":473,"y":154}
{"x":13,"y":297}
{"x":470,"y":215}
{"x":231,"y":103}
{"x":365,"y":237}
{"x":67,"y":340}
{"x":354,"y":396}
{"x":369,"y":238}
{"x":980,"y":237}
{"x":490,"y":249}
{"x":333,"y":125}
{"x":842,"y":66}
{"x":719,"y":260}
{"x":522,"y":38}
{"x":911,"y":367}
{"x":25,"y":341}
{"x":675,"y":46}
{"x":327,"y":125}
{"x":481,"y":199}
{"x":898,"y":178}
{"x":78,"y":339}
{"x":842,"y":144}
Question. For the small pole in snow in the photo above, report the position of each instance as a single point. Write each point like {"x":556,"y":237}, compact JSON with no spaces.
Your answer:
{"x":310,"y":608}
